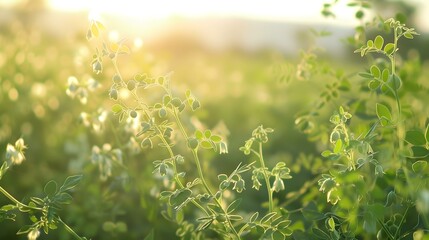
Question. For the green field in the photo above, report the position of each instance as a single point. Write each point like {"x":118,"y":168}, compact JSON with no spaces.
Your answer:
{"x":378,"y":169}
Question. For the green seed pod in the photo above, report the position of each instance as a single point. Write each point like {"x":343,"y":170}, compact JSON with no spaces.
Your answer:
{"x":192,"y":143}
{"x":116,"y":78}
{"x":133,"y":114}
{"x":113,"y":94}
{"x":131,"y":85}
{"x":162,"y":113}
{"x":163,"y":169}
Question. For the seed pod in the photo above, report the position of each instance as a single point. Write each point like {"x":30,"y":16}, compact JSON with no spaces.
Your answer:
{"x":113,"y":94}
{"x":131,"y":85}
{"x":133,"y":114}
{"x":116,"y":78}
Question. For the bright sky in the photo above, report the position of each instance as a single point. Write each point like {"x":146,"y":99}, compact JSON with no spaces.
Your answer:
{"x":291,"y":10}
{"x":297,"y":10}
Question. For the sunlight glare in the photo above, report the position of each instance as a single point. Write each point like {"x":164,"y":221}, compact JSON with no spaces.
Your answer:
{"x":303,"y":10}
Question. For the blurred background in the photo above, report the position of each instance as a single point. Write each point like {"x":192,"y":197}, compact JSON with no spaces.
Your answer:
{"x":243,"y":60}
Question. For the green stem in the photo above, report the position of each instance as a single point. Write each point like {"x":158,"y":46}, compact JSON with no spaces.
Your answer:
{"x":18,"y":203}
{"x":201,"y":174}
{"x":176,"y":177}
{"x":400,"y":224}
{"x":267,"y":180}
{"x":194,"y":154}
{"x":69,"y":229}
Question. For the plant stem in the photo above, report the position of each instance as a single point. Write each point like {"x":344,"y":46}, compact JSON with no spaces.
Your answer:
{"x":267,"y":180}
{"x":201,"y":174}
{"x":69,"y":229}
{"x":20,"y":204}
{"x":176,"y":178}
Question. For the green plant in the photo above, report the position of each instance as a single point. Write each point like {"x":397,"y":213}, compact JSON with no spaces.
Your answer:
{"x":375,"y":176}
{"x":161,"y":125}
{"x":42,"y":211}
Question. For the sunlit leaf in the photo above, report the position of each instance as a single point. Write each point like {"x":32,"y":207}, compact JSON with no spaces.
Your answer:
{"x":378,"y":42}
{"x":70,"y":182}
{"x":415,"y":138}
{"x":419,"y":166}
{"x":389,"y":48}
{"x":231,"y":208}
{"x":116,"y":108}
{"x":51,"y":188}
{"x":383,"y":114}
{"x":375,"y":71}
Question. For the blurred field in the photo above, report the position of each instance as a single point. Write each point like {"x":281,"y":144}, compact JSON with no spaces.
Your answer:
{"x":238,"y":90}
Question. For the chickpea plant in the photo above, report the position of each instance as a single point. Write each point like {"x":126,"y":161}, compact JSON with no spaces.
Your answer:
{"x":43,"y":211}
{"x":162,"y":127}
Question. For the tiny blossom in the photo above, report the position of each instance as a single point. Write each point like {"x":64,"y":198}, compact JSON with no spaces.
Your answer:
{"x":93,"y":84}
{"x":73,"y":86}
{"x":16,"y":153}
{"x":33,"y":234}
{"x":223,"y":147}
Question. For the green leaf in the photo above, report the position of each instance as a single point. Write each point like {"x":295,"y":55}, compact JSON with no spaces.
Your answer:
{"x":378,"y":42}
{"x":37,"y":200}
{"x":206,"y":144}
{"x":267,"y":217}
{"x":199,"y":134}
{"x":276,"y":235}
{"x":419,"y":152}
{"x":389,"y":48}
{"x":370,"y":43}
{"x":331,"y":224}
{"x":311,"y":212}
{"x":8,"y":207}
{"x":373,"y":84}
{"x":215,"y":138}
{"x":415,"y":137}
{"x":365,"y":75}
{"x":338,"y":146}
{"x":109,"y":226}
{"x":408,"y":35}
{"x":205,"y":225}
{"x":235,"y":217}
{"x":117,"y":108}
{"x":375,"y":71}
{"x":25,"y":229}
{"x":254,"y":217}
{"x":166,"y":99}
{"x":207,"y":133}
{"x":326,"y":153}
{"x":70,"y":182}
{"x":383,"y":114}
{"x":150,"y":236}
{"x":395,"y":82}
{"x":231,"y":208}
{"x":419,"y":166}
{"x":179,"y":197}
{"x":359,"y":14}
{"x":63,"y":198}
{"x":51,"y":188}
{"x":385,"y":75}
{"x":121,"y":226}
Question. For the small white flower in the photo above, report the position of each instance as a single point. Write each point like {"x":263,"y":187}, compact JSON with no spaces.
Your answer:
{"x":16,"y":153}
{"x":33,"y":234}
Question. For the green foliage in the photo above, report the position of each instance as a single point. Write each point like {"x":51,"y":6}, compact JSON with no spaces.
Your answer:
{"x":364,"y":174}
{"x":42,"y":211}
